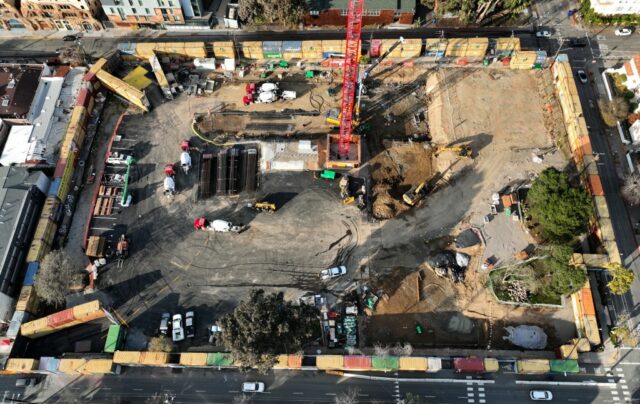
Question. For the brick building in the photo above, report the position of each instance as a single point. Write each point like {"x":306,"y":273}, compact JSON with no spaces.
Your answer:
{"x":64,"y":15}
{"x":144,"y":13}
{"x":376,"y":12}
{"x":10,"y":17}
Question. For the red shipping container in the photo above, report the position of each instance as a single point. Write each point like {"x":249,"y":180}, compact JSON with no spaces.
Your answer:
{"x":357,"y":362}
{"x":60,"y":318}
{"x":374,"y":52}
{"x":83,"y":98}
{"x":469,"y":365}
{"x":595,"y":185}
{"x":60,"y":168}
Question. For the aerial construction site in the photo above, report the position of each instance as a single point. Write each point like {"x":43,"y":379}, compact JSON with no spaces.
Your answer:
{"x":379,"y":180}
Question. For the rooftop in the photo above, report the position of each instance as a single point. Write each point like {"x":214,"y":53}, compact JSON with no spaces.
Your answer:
{"x":399,"y":5}
{"x":18,"y":84}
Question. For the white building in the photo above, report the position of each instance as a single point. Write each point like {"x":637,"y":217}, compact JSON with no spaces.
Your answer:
{"x":616,"y":7}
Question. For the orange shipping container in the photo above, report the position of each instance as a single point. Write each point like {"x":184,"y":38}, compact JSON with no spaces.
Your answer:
{"x":506,"y":201}
{"x":295,"y":361}
{"x":587,"y":302}
{"x":355,"y":362}
{"x":59,"y":319}
{"x":595,"y":185}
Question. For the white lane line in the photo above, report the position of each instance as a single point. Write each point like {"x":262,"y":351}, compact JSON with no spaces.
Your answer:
{"x":329,"y":394}
{"x":480,"y":388}
{"x":201,"y":391}
{"x":136,"y":389}
{"x":469,"y":388}
{"x":470,"y":394}
{"x":611,"y":380}
{"x":614,"y":392}
{"x":481,"y":395}
{"x":234,"y":391}
{"x":363,"y":395}
{"x":297,"y":393}
{"x":572,"y":399}
{"x":585,"y":383}
{"x":471,"y":400}
{"x":615,"y":398}
{"x":482,"y":401}
{"x":429,"y":396}
{"x":620,"y":370}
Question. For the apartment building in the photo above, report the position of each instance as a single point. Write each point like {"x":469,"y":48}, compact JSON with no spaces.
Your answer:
{"x":615,"y":7}
{"x":156,"y":14}
{"x":69,"y":15}
{"x":10,"y":17}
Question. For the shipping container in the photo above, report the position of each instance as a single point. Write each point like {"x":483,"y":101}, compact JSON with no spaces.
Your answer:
{"x":252,"y":50}
{"x":154,"y":358}
{"x":434,"y":364}
{"x":127,"y":357}
{"x":295,"y":361}
{"x":564,"y":366}
{"x":124,"y":90}
{"x":71,"y":366}
{"x":568,"y":351}
{"x":83,"y":98}
{"x":219,"y":359}
{"x":60,"y":319}
{"x":30,"y":275}
{"x":18,"y":318}
{"x":115,"y":337}
{"x":99,"y":367}
{"x":595,"y":185}
{"x":193,"y":359}
{"x":435,"y":47}
{"x":79,"y":117}
{"x":523,"y":60}
{"x":18,"y":365}
{"x":86,"y":309}
{"x":38,"y":251}
{"x":582,"y":344}
{"x":491,"y":365}
{"x":53,"y":188}
{"x":46,"y":231}
{"x":507,"y":46}
{"x":385,"y":363}
{"x":48,"y":364}
{"x":224,"y":50}
{"x":469,"y":365}
{"x":357,"y":362}
{"x":397,"y":52}
{"x":411,"y":363}
{"x":312,"y":50}
{"x":51,"y":208}
{"x":532,"y":366}
{"x":334,"y":46}
{"x":28,"y":300}
{"x":329,"y":362}
{"x":586,"y":299}
{"x":282,"y":362}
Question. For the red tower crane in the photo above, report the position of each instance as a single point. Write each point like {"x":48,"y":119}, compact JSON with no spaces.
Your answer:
{"x":350,"y":78}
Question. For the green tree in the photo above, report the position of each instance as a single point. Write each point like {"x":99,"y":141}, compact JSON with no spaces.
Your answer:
{"x":265,"y":326}
{"x":622,"y":278}
{"x":561,"y":210}
{"x":160,"y":343}
{"x":56,"y":275}
{"x":562,"y":278}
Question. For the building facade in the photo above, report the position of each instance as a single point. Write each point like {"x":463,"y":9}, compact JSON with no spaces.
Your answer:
{"x":615,"y":7}
{"x":10,"y":17}
{"x":64,"y":15}
{"x":144,"y":13}
{"x":376,"y":12}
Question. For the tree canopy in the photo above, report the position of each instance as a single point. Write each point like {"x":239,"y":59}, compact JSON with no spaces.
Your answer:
{"x":561,"y":210}
{"x":476,"y":10}
{"x":283,"y":12}
{"x":56,"y":275}
{"x":161,"y":343}
{"x":622,"y":278}
{"x":266,"y":325}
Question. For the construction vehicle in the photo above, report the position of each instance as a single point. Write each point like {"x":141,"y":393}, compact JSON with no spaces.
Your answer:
{"x":185,"y":162}
{"x":462,"y":150}
{"x":219,"y":226}
{"x":266,"y":94}
{"x":416,"y":193}
{"x":122,"y":250}
{"x":169,"y":182}
{"x":264,"y":206}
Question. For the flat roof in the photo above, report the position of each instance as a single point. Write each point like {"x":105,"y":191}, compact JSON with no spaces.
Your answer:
{"x":18,"y":84}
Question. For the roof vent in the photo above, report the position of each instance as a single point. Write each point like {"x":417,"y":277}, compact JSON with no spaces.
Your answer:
{"x":5,"y":102}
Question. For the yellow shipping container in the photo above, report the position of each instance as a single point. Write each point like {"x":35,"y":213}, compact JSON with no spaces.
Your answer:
{"x":434,"y":45}
{"x":591,"y":330}
{"x":457,"y":47}
{"x":97,"y":367}
{"x":46,"y":230}
{"x":50,"y":208}
{"x":224,"y":50}
{"x":582,"y":344}
{"x":78,"y":116}
{"x":193,"y":359}
{"x":388,"y":43}
{"x":19,"y":365}
{"x":28,"y":300}
{"x":252,"y":49}
{"x":506,"y":45}
{"x":333,"y":46}
{"x":98,"y":66}
{"x":569,"y":351}
{"x":85,"y":309}
{"x":523,"y":60}
{"x":412,"y":363}
{"x":36,"y":328}
{"x":491,"y":365}
{"x":533,"y":366}
{"x":292,"y":55}
{"x":71,"y":366}
{"x":127,"y":357}
{"x":477,"y":47}
{"x":128,"y":92}
{"x":38,"y":251}
{"x":282,"y":362}
{"x":312,"y":49}
{"x":155,"y":358}
{"x":327,"y":362}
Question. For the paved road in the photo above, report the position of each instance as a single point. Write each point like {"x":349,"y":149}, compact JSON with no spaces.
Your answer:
{"x":135,"y":385}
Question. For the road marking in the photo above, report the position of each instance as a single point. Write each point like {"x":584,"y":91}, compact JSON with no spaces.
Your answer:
{"x":482,"y":400}
{"x":471,"y":400}
{"x":611,"y":380}
{"x":234,"y":391}
{"x":470,"y":394}
{"x":363,"y":395}
{"x":481,"y":395}
{"x":329,"y":394}
{"x":615,"y":398}
{"x":137,"y":389}
{"x":572,"y":399}
{"x":627,"y":363}
{"x":429,"y":396}
{"x":469,"y":388}
{"x":480,"y":388}
{"x":585,"y":383}
{"x":204,"y":391}
{"x":298,"y":393}
{"x":405,"y":380}
{"x":614,"y":392}
{"x":620,"y":370}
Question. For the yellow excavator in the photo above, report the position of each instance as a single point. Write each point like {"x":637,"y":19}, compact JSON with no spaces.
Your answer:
{"x":416,"y":193}
{"x":462,"y":150}
{"x":264,"y":206}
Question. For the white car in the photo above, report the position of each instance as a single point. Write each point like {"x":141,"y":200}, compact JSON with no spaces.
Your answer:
{"x":177,"y":332}
{"x":253,"y":387}
{"x":623,"y":32}
{"x":541,"y":395}
{"x":333,"y":272}
{"x":543,"y":34}
{"x":582,"y":76}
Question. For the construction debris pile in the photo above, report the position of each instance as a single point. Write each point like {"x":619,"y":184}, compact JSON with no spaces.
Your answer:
{"x":527,"y":336}
{"x":449,"y":264}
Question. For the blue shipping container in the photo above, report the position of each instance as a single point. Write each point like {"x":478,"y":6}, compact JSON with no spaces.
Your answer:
{"x":292,"y":46}
{"x":127,"y":47}
{"x":272,"y":46}
{"x":32,"y":271}
{"x":55,"y":185}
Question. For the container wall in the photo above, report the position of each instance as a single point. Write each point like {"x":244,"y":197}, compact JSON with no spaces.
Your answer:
{"x":71,"y":366}
{"x":193,"y":359}
{"x":411,"y":363}
{"x":224,"y":50}
{"x":28,"y":300}
{"x":45,"y":231}
{"x":30,"y":275}
{"x":98,"y":367}
{"x":16,"y":365}
{"x":327,"y":362}
{"x":38,"y":251}
{"x":61,"y":318}
{"x":356,"y":362}
{"x":386,"y":363}
{"x":471,"y":365}
{"x":312,"y":50}
{"x":127,"y":357}
{"x":219,"y":359}
{"x":491,"y":365}
{"x":564,"y":366}
{"x":48,"y":364}
{"x":154,"y":358}
{"x":532,"y":366}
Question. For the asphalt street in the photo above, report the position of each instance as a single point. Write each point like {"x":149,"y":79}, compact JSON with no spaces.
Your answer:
{"x":135,"y":385}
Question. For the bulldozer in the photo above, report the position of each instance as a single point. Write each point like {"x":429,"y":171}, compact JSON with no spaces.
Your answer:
{"x":462,"y":150}
{"x":416,"y":193}
{"x":264,"y":206}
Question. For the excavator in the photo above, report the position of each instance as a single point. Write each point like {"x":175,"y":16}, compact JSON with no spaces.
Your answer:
{"x":462,"y":150}
{"x":264,"y":206}
{"x":416,"y":193}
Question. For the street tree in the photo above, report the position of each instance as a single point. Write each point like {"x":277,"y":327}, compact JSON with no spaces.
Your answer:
{"x":606,"y":113}
{"x":282,"y":12}
{"x":266,"y":325}
{"x":619,"y":108}
{"x":560,"y":276}
{"x":56,"y":275}
{"x":631,"y":189}
{"x":561,"y":209}
{"x":161,"y":343}
{"x":621,"y":278}
{"x":474,"y":10}
{"x":348,"y":397}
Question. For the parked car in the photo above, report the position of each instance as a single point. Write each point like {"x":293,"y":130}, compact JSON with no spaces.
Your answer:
{"x":626,"y":31}
{"x":70,"y":37}
{"x":189,"y":325}
{"x":543,"y":34}
{"x":26,"y":382}
{"x":577,"y":43}
{"x":252,"y":387}
{"x":177,"y":332}
{"x":541,"y":395}
{"x":165,"y":323}
{"x":582,"y":76}
{"x":333,"y":272}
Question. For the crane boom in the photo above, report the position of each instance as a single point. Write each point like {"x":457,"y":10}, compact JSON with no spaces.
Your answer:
{"x":350,"y":78}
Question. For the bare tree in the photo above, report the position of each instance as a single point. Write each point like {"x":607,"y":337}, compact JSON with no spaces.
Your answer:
{"x":56,"y":275}
{"x":348,"y":397}
{"x":517,"y":291}
{"x":631,"y":189}
{"x":381,"y":350}
{"x":241,"y":399}
{"x":160,"y":344}
{"x":402,"y":350}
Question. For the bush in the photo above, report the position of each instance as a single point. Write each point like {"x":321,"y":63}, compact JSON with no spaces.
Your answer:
{"x":161,"y":343}
{"x":56,"y":275}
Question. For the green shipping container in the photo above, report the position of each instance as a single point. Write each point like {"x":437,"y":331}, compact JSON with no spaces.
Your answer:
{"x":219,"y":359}
{"x":114,"y":338}
{"x":564,"y":366}
{"x":385,"y":362}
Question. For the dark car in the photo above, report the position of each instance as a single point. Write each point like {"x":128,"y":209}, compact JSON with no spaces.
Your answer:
{"x":189,"y":324}
{"x":70,"y":37}
{"x":577,"y":43}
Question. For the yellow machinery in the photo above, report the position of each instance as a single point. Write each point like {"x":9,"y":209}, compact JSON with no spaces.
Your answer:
{"x":462,"y":150}
{"x":416,"y":193}
{"x":265,"y":207}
